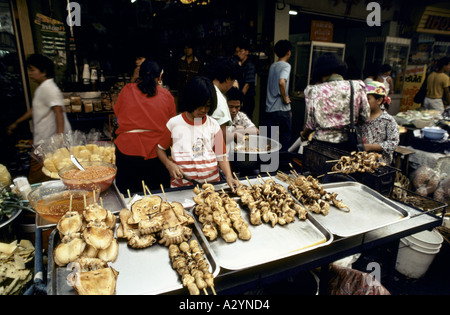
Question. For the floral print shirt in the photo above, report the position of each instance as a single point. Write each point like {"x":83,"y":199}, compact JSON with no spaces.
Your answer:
{"x":328,"y":109}
{"x":241,"y":119}
{"x":382,"y":130}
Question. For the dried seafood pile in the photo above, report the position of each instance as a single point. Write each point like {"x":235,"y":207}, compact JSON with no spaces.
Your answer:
{"x":362,"y":162}
{"x":311,"y":194}
{"x":15,"y":273}
{"x":151,"y":218}
{"x":90,"y":234}
{"x":88,"y":244}
{"x":219,"y":213}
{"x":191,"y":265}
{"x":270,"y":202}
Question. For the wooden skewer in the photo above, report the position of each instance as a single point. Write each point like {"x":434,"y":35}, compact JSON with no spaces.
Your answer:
{"x":148,"y":190}
{"x":269,"y":175}
{"x":293,"y":170}
{"x":335,"y":172}
{"x":332,"y":161}
{"x":249,"y":181}
{"x":70,"y":203}
{"x":329,"y":173}
{"x":143,"y":188}
{"x":101,"y":202}
{"x":204,"y":290}
{"x":95,"y":199}
{"x":235,"y":176}
{"x":260,"y":179}
{"x":167,"y":200}
{"x":84,"y":198}
{"x":162,"y":189}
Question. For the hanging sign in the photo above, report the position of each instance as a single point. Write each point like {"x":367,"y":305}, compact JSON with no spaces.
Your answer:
{"x":53,"y":38}
{"x":321,"y":31}
{"x":415,"y":75}
{"x":435,"y":21}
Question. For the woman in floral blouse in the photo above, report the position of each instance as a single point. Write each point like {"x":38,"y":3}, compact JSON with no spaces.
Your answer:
{"x":380,"y":133}
{"x":328,"y":103}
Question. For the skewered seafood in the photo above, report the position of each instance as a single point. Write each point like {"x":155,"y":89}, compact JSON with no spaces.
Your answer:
{"x":85,"y":235}
{"x":67,"y":252}
{"x":175,"y":235}
{"x":93,"y":276}
{"x":311,"y":194}
{"x":269,"y":202}
{"x":135,"y":238}
{"x":191,"y":265}
{"x":71,"y":222}
{"x":363,"y":162}
{"x":151,"y":218}
{"x":98,"y":235}
{"x":219,"y":213}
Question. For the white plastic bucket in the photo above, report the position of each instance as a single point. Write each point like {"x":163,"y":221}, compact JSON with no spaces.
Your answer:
{"x":417,"y":252}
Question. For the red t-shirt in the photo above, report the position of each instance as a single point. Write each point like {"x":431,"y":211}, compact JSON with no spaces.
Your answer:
{"x":142,"y":120}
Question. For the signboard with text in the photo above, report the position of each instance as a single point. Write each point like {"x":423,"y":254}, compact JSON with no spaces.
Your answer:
{"x":415,"y":75}
{"x":321,"y":31}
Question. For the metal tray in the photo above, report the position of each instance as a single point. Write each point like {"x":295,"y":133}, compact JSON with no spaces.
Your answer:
{"x":267,"y":243}
{"x":146,"y":271}
{"x":112,"y":200}
{"x":369,"y":210}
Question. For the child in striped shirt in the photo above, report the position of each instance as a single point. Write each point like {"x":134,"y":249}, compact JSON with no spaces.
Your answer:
{"x":197,"y":144}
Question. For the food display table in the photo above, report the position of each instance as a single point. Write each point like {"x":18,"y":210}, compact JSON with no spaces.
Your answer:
{"x":273,"y":252}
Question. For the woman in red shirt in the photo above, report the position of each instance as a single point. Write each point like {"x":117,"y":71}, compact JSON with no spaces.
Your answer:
{"x":142,"y":111}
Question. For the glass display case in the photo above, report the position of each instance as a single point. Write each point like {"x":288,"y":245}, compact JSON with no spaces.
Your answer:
{"x":306,"y":54}
{"x":389,"y":50}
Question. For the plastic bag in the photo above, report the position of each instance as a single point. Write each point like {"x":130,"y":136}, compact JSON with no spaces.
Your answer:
{"x":442,"y":193}
{"x":426,"y":180}
{"x":54,"y":153}
{"x":347,"y":281}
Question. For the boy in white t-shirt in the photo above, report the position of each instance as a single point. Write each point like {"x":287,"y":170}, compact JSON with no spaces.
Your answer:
{"x":197,"y":145}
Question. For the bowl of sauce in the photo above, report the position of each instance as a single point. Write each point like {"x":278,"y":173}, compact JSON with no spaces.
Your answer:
{"x":53,"y":199}
{"x":100,"y":173}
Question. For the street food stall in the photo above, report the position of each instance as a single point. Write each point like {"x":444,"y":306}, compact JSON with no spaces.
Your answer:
{"x":302,"y":244}
{"x":206,"y":239}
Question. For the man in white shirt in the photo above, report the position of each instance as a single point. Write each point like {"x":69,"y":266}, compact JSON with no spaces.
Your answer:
{"x":223,"y":73}
{"x":47,"y":111}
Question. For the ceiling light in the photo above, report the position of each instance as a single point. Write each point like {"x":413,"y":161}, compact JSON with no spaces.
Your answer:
{"x":293,"y":12}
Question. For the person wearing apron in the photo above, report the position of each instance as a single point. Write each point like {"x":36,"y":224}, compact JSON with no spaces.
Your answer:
{"x":142,"y":109}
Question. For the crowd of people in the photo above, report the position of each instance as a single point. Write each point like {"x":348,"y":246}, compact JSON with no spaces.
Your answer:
{"x":176,"y":143}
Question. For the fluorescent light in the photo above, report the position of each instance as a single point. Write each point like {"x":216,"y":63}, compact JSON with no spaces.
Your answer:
{"x":133,"y":1}
{"x":293,"y":12}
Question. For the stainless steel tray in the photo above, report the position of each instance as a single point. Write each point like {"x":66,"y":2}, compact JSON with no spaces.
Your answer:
{"x":369,"y":210}
{"x":267,"y":243}
{"x":112,"y":200}
{"x":145,"y":271}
